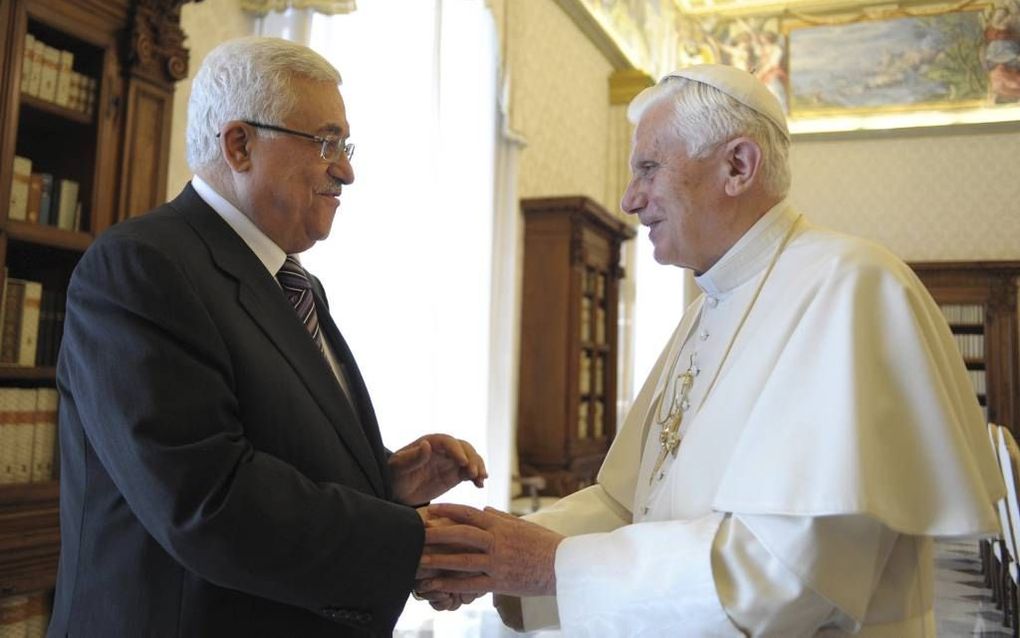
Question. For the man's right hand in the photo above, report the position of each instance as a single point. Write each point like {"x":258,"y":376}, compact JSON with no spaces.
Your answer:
{"x":439,"y":600}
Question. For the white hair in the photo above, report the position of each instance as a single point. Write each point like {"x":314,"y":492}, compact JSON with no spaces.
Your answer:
{"x":704,"y":116}
{"x":247,"y":79}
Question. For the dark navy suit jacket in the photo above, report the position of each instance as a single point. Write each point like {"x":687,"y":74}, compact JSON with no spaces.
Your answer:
{"x":215,"y":479}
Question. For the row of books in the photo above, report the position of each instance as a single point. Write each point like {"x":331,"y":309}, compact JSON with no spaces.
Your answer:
{"x":24,"y":616}
{"x":971,"y":346}
{"x":28,"y":435}
{"x":31,"y":323}
{"x":963,"y":314}
{"x":43,"y":199}
{"x":585,"y":376}
{"x":48,"y":74}
{"x":583,"y":432}
{"x":599,"y":319}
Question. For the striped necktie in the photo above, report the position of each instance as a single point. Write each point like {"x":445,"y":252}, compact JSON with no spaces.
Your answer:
{"x":298,"y":288}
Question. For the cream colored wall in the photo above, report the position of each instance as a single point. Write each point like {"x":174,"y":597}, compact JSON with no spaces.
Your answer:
{"x":941,"y":193}
{"x":206,"y":24}
{"x":559,"y":102}
{"x":950,"y":193}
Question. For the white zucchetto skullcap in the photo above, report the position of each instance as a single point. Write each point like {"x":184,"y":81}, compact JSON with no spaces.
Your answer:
{"x":739,"y":85}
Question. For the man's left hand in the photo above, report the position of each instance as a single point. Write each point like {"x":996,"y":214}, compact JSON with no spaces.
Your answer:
{"x":432,"y":465}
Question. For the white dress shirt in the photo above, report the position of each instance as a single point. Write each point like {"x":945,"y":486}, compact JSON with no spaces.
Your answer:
{"x":271,"y":256}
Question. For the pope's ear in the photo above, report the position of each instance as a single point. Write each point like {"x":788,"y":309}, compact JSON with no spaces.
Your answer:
{"x":236,"y":139}
{"x":743,"y":158}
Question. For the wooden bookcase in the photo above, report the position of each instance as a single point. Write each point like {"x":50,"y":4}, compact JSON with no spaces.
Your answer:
{"x":979,"y":300}
{"x":118,"y":154}
{"x":568,"y":359}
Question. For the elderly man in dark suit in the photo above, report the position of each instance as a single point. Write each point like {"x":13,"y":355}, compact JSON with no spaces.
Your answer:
{"x":222,"y":469}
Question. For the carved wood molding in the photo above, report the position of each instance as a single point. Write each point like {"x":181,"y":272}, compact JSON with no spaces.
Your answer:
{"x":156,"y":47}
{"x":1003,"y":296}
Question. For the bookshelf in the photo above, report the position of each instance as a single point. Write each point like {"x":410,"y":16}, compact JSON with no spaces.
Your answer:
{"x":979,"y":301}
{"x":568,"y":361}
{"x":86,"y":98}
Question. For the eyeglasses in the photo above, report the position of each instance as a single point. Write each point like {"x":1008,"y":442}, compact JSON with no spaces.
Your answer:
{"x":332,"y":147}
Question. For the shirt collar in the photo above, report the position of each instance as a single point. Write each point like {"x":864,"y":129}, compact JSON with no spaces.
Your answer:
{"x":271,"y":255}
{"x":750,"y":254}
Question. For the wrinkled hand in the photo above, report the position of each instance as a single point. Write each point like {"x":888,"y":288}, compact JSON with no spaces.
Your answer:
{"x":432,"y":465}
{"x":488,"y":551}
{"x":440,"y":601}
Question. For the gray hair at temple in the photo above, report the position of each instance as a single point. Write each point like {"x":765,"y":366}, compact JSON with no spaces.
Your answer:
{"x":704,"y":116}
{"x":247,"y":79}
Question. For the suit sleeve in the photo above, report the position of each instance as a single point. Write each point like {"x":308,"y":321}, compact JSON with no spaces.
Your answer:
{"x":151,"y":379}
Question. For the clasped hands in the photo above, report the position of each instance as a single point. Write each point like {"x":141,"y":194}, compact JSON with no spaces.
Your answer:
{"x":470,"y":552}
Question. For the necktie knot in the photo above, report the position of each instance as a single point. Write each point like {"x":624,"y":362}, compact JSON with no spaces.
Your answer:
{"x":298,"y":288}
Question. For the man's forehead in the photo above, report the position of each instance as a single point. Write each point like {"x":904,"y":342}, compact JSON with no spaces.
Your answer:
{"x":321,"y":107}
{"x":656,"y":127}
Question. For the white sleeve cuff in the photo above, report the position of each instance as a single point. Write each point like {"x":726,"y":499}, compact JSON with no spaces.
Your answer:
{"x":646,"y":579}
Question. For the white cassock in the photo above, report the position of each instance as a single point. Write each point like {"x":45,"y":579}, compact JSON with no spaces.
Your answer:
{"x":838,"y":435}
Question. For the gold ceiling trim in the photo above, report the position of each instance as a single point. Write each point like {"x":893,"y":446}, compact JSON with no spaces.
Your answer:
{"x":883,"y":12}
{"x":818,"y":12}
{"x":596,"y":33}
{"x":625,"y":84}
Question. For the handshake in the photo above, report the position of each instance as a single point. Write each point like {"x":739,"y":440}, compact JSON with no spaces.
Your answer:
{"x":470,"y":552}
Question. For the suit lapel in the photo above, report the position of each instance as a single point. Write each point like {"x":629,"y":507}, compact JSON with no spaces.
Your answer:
{"x":262,"y":299}
{"x":357,"y":383}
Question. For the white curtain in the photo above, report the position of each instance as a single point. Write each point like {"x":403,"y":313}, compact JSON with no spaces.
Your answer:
{"x":662,"y":294}
{"x":411,"y":266}
{"x":408,"y":267}
{"x":291,"y":24}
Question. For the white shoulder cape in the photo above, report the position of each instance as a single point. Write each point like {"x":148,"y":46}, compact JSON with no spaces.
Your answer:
{"x":847,"y":396}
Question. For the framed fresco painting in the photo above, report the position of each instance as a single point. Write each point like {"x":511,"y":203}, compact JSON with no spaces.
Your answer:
{"x":836,"y":66}
{"x":891,"y":67}
{"x":941,"y":61}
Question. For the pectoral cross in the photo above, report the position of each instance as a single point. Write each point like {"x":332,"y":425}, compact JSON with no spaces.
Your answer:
{"x":669,"y":434}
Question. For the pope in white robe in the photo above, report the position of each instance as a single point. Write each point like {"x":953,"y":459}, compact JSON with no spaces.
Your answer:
{"x":806,"y":433}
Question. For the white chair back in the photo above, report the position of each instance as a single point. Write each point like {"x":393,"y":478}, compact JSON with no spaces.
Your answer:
{"x":1005,"y":528}
{"x":1009,"y":458}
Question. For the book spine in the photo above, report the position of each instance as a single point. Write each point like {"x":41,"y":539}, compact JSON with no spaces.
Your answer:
{"x":63,"y":97}
{"x":34,"y":198}
{"x":37,"y":67}
{"x":24,"y":433}
{"x":68,"y":204}
{"x":46,"y":199}
{"x":48,"y":84}
{"x":30,"y":307}
{"x":10,"y":331}
{"x":27,"y":58}
{"x":7,"y":435}
{"x":91,"y":88}
{"x":18,"y":208}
